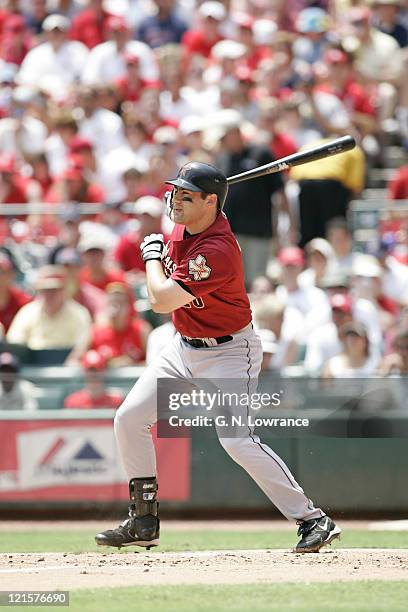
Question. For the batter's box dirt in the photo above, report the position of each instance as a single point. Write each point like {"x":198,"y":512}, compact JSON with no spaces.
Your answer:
{"x":68,"y":571}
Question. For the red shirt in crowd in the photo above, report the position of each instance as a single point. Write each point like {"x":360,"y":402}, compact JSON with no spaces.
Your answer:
{"x":17,"y":193}
{"x":354,"y":96}
{"x":113,"y":343}
{"x":209,"y":266}
{"x":89,"y":28}
{"x":127,"y":252}
{"x":195,"y":42}
{"x":131,"y":92}
{"x":83,"y":399}
{"x":282,"y":145}
{"x":17,"y":299}
{"x":398,"y":188}
{"x":92,"y":298}
{"x":111,"y":276}
{"x":94,"y":194}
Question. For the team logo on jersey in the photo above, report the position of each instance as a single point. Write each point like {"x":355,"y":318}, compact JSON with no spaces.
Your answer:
{"x":198,"y":268}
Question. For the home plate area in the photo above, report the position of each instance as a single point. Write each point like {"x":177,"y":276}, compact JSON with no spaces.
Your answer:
{"x":65,"y":571}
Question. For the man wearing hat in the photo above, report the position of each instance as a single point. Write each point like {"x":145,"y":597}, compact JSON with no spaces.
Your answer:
{"x":96,"y":271}
{"x":106,"y":61}
{"x":94,"y":394}
{"x":200,"y":41}
{"x":84,"y":293}
{"x":58,"y":58}
{"x":12,"y":298}
{"x":386,"y":19}
{"x":51,"y":321}
{"x":15,"y":393}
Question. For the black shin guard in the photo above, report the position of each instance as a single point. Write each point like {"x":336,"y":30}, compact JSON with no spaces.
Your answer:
{"x":144,"y":507}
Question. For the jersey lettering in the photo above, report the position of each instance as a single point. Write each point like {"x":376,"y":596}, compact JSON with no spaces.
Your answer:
{"x":197,"y":303}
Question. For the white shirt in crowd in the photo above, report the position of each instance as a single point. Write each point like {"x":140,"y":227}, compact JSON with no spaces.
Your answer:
{"x":21,"y":397}
{"x":63,"y":67}
{"x":29,"y":139}
{"x":116,"y":162}
{"x":311,"y":302}
{"x":104,"y":129}
{"x":323,"y":344}
{"x":105,"y":63}
{"x":395,"y":281}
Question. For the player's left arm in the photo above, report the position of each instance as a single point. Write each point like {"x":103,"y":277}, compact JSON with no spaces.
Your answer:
{"x":165,"y":295}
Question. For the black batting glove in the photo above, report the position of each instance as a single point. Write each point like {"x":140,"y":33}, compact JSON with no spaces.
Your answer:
{"x":152,"y":247}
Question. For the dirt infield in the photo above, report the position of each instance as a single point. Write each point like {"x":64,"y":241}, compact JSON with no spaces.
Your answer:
{"x":67,"y":571}
{"x":107,"y":567}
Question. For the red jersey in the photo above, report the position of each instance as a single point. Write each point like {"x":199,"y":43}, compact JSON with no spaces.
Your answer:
{"x":209,"y":266}
{"x":83,"y":399}
{"x":17,"y":299}
{"x":113,"y":343}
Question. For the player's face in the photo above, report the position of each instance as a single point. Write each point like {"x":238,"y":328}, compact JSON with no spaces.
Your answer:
{"x":188,"y":206}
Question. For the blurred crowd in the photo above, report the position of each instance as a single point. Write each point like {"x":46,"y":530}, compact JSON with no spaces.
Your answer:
{"x":101,"y":101}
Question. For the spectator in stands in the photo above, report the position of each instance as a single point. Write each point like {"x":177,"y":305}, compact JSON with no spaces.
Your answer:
{"x":68,"y":232}
{"x":130,"y":84}
{"x":270,"y":121}
{"x":89,"y":25}
{"x":326,"y":342}
{"x":12,"y":298}
{"x":36,"y":16}
{"x":334,"y":179}
{"x":94,"y":394}
{"x":286,"y":324}
{"x":379,"y":61}
{"x":96,"y":271}
{"x":341,"y":81}
{"x":398,"y":186}
{"x":321,"y":260}
{"x":313,"y":25}
{"x":252,"y":225}
{"x":15,"y":392}
{"x":340,"y":237}
{"x":191,"y":131}
{"x":13,"y":188}
{"x":106,"y":61}
{"x":396,"y":363}
{"x":40,"y":181}
{"x":200,"y":41}
{"x":58,"y":58}
{"x":119,"y":335}
{"x":162,"y":28}
{"x":356,"y":360}
{"x":51,"y":320}
{"x":16,"y":40}
{"x":84,"y":293}
{"x":64,"y":128}
{"x":23,"y":134}
{"x":310,"y":302}
{"x":387,"y":20}
{"x":73,"y":186}
{"x":103,"y":128}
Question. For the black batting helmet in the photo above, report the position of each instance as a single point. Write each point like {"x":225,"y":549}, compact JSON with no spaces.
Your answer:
{"x":196,"y":176}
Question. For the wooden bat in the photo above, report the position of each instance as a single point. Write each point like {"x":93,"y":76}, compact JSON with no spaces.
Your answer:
{"x":345,"y":143}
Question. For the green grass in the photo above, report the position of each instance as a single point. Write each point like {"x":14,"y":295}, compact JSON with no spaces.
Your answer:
{"x":83,"y":541}
{"x":362,"y":596}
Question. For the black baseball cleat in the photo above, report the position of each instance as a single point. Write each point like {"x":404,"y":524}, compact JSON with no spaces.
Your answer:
{"x":134,"y":531}
{"x":142,"y":528}
{"x":316,"y":533}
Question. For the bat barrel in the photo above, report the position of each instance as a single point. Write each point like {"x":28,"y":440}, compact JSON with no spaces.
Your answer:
{"x":334,"y":147}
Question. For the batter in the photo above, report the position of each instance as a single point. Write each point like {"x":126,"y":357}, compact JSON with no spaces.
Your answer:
{"x":198,"y":276}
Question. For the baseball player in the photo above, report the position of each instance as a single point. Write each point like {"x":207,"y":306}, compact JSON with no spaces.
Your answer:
{"x":198,"y":276}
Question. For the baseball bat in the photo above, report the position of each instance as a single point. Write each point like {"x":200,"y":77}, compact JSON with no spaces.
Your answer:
{"x":340,"y":145}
